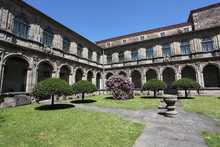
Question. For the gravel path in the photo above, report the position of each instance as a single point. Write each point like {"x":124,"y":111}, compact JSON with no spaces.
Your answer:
{"x":161,"y":131}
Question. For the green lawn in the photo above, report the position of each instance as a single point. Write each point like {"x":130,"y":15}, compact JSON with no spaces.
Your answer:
{"x":139,"y":102}
{"x":24,"y":127}
{"x":209,"y":106}
{"x":212,"y":139}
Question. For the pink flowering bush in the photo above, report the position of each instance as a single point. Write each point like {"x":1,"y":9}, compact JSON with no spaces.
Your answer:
{"x":120,"y":87}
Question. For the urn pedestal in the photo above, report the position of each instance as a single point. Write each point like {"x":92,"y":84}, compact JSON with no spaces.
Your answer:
{"x":170,"y":100}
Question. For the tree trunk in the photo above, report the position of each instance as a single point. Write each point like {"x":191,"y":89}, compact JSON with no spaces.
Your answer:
{"x":82,"y":96}
{"x":155,"y":93}
{"x":186,"y":93}
{"x":52,"y":100}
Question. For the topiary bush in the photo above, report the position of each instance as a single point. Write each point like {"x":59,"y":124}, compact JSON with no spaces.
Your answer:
{"x":121,"y":87}
{"x":83,"y":87}
{"x":51,"y":87}
{"x":154,"y":85}
{"x":185,"y":84}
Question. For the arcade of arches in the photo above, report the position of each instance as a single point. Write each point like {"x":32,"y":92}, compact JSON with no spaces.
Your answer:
{"x":19,"y":76}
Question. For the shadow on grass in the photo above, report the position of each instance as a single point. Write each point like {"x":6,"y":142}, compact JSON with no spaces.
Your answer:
{"x":1,"y":120}
{"x":55,"y":107}
{"x":180,"y":97}
{"x":151,"y":97}
{"x":83,"y":102}
{"x":109,"y":98}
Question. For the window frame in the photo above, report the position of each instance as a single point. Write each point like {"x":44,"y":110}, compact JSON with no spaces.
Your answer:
{"x":109,"y":59}
{"x":66,"y":45}
{"x":121,"y":57}
{"x":79,"y":50}
{"x":206,"y":44}
{"x":47,"y":37}
{"x":134,"y":55}
{"x":149,"y":53}
{"x":21,"y":27}
{"x":185,"y":47}
{"x":166,"y":50}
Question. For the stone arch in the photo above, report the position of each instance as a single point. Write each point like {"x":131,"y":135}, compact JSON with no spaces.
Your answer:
{"x":65,"y":72}
{"x":90,"y":75}
{"x":188,"y":72}
{"x":136,"y":78}
{"x":169,"y":77}
{"x":98,"y":80}
{"x":211,"y":76}
{"x":18,"y":55}
{"x":79,"y":74}
{"x":45,"y":70}
{"x":108,"y":75}
{"x":15,"y":74}
{"x":151,"y":74}
{"x":46,"y":61}
{"x":122,"y":73}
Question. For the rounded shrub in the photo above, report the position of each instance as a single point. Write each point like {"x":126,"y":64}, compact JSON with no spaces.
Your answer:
{"x":185,"y":84}
{"x":121,"y":87}
{"x":83,"y":87}
{"x":51,"y":87}
{"x":154,"y":85}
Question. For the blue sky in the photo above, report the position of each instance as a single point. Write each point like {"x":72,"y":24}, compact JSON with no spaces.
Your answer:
{"x":101,"y":19}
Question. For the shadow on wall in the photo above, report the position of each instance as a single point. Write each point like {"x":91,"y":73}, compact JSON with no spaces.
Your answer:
{"x":81,"y":102}
{"x":55,"y":107}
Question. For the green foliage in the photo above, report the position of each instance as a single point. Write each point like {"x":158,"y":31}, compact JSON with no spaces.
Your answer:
{"x":51,"y":86}
{"x":154,"y":84}
{"x":211,"y":138}
{"x":83,"y":87}
{"x":185,"y":83}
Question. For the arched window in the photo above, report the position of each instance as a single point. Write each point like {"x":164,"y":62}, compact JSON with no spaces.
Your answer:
{"x":149,"y":53}
{"x":185,"y":47}
{"x":134,"y":55}
{"x":166,"y":50}
{"x":90,"y":55}
{"x":207,"y":44}
{"x":21,"y":26}
{"x":66,"y":45}
{"x":121,"y":57}
{"x":79,"y":50}
{"x":109,"y":59}
{"x":47,"y":37}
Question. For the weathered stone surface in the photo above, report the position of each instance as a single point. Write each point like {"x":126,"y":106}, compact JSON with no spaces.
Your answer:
{"x":17,"y":100}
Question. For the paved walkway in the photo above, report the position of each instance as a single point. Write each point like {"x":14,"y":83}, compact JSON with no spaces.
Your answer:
{"x":160,"y":131}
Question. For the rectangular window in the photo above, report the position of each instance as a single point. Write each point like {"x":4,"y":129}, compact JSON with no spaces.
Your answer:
{"x":185,"y":47}
{"x":162,"y":34}
{"x":90,"y":55}
{"x":166,"y":51}
{"x":186,"y":29}
{"x":79,"y":50}
{"x":109,"y":44}
{"x":142,"y":38}
{"x":109,"y":59}
{"x":121,"y":57}
{"x":124,"y":41}
{"x":149,"y":53}
{"x":207,"y":44}
{"x":98,"y":58}
{"x":134,"y":55}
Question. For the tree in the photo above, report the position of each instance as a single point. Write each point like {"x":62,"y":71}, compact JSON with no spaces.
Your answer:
{"x":185,"y":84}
{"x":155,"y":85}
{"x":121,"y":87}
{"x":83,"y":87}
{"x":51,"y":87}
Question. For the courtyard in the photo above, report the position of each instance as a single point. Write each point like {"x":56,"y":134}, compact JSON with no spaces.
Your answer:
{"x":103,"y":121}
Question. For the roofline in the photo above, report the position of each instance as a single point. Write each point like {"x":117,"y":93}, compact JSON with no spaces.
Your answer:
{"x":201,"y":9}
{"x":145,"y":32}
{"x":45,"y":15}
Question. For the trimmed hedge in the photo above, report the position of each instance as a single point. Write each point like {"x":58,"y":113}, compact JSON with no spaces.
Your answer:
{"x":154,"y":85}
{"x":83,"y":87}
{"x":51,"y":87}
{"x":185,"y":84}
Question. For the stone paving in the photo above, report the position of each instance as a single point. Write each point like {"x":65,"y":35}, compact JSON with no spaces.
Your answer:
{"x":160,"y":131}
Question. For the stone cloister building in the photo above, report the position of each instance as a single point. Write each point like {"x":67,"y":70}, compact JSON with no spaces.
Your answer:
{"x":34,"y":47}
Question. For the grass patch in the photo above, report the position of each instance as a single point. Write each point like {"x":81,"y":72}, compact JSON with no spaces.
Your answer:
{"x":139,"y":102}
{"x":207,"y":105}
{"x":36,"y":125}
{"x":212,"y":139}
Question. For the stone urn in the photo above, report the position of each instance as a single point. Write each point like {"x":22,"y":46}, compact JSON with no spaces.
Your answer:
{"x":170,"y":100}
